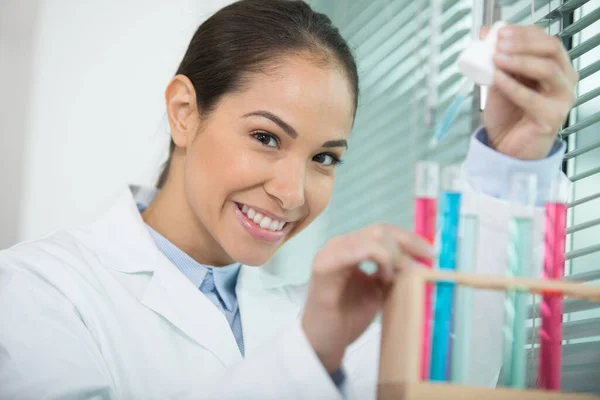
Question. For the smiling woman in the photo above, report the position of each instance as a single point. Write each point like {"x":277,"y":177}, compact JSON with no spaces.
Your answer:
{"x":255,"y":122}
{"x":158,"y":298}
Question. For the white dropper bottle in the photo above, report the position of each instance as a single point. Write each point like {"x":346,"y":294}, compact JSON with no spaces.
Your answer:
{"x":476,"y":61}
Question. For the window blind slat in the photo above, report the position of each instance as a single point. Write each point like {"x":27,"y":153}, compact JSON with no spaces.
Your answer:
{"x":584,"y":98}
{"x":575,"y":354}
{"x":584,"y":47}
{"x":569,"y":306}
{"x":582,"y":150}
{"x":583,"y":252}
{"x":582,"y":226}
{"x":591,"y":120}
{"x":589,"y":70}
{"x":585,"y":174}
{"x":584,"y":200}
{"x":584,"y":276}
{"x":559,"y":12}
{"x":573,"y":329}
{"x":580,"y":24}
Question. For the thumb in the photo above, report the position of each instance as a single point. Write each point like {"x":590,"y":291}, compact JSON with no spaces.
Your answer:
{"x":483,"y":32}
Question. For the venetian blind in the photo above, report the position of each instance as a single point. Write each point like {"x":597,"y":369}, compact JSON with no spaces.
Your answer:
{"x":576,"y":22}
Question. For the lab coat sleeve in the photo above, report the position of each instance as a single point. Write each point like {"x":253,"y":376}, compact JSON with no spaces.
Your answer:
{"x":60,"y":361}
{"x":288,"y":369}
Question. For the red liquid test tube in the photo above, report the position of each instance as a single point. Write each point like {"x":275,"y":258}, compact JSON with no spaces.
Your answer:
{"x":552,"y":304}
{"x":427,"y":186}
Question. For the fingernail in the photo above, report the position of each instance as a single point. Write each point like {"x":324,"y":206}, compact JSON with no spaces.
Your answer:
{"x":431,"y":251}
{"x":505,"y":45}
{"x":505,"y":33}
{"x":502,"y":57}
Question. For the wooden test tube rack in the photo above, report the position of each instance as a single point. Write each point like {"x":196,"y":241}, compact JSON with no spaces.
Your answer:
{"x":399,"y":364}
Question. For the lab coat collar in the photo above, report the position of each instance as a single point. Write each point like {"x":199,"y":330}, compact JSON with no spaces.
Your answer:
{"x":123,"y":244}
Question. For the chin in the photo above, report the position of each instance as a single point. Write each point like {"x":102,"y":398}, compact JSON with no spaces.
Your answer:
{"x":253,"y":259}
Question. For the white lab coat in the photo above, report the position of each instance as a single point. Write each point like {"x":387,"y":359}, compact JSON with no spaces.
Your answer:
{"x":99,"y":313}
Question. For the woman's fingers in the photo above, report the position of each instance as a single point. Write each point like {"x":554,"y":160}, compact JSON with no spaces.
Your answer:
{"x":540,"y":69}
{"x":411,"y":243}
{"x":483,"y":32}
{"x":387,"y":246}
{"x":348,"y":251}
{"x":525,"y":97}
{"x":534,"y":41}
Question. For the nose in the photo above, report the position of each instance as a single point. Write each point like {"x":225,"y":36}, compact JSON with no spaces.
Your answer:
{"x":287,"y":184}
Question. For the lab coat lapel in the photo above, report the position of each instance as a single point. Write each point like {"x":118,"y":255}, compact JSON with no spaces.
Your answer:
{"x":265,"y":312}
{"x":123,"y":244}
{"x":173,"y":296}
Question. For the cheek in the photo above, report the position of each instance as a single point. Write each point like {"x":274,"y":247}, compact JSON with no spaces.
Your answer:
{"x":318,"y":195}
{"x":218,"y":166}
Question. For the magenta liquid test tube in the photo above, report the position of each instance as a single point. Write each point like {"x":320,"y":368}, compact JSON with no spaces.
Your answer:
{"x":427,"y":186}
{"x":554,"y":268}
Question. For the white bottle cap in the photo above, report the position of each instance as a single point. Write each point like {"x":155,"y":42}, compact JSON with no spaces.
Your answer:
{"x":476,"y":61}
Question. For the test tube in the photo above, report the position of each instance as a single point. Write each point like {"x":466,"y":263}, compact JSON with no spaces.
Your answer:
{"x":463,"y":303}
{"x":427,"y":183}
{"x":523,"y":196}
{"x":550,"y":333}
{"x":440,"y":350}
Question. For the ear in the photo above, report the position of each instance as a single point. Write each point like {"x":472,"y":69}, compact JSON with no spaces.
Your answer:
{"x":182,"y":110}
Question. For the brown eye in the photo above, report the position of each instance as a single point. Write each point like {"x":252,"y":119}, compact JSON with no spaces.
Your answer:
{"x":266,"y":139}
{"x":327,"y":159}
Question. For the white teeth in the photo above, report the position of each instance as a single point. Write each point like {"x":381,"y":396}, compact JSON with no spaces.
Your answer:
{"x":261,"y":220}
{"x":265,"y":223}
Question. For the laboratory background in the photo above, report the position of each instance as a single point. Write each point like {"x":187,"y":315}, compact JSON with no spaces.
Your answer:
{"x":82,"y":114}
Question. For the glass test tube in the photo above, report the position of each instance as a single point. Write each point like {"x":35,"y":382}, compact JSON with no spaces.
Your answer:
{"x":550,"y":333}
{"x":463,"y":303}
{"x":427,"y":183}
{"x":444,"y":295}
{"x":520,"y":240}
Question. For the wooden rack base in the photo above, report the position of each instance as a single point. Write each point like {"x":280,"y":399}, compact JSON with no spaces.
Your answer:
{"x":444,"y":391}
{"x":399,"y":361}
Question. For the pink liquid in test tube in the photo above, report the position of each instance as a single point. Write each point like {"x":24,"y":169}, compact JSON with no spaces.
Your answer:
{"x":427,"y":183}
{"x":552,"y":304}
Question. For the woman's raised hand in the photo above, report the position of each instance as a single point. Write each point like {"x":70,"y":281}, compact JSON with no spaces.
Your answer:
{"x":342,"y":299}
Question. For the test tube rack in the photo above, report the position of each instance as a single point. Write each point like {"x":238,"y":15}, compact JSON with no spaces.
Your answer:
{"x":402,"y":321}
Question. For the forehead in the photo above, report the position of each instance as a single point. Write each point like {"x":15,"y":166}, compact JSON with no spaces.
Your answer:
{"x":311,"y":96}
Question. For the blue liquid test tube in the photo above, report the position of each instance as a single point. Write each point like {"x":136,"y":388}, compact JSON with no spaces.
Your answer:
{"x":463,"y":301}
{"x":519,"y":263}
{"x":444,"y":295}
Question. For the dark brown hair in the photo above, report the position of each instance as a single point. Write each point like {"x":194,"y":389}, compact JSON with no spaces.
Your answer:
{"x":245,"y":36}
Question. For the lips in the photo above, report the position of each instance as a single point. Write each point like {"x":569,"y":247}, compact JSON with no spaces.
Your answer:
{"x":261,"y":220}
{"x":274,"y":229}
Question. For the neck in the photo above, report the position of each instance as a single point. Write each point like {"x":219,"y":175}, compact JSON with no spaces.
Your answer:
{"x":170,"y":215}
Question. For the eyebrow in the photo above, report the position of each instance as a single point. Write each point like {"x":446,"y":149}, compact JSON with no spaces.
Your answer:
{"x":282,"y":124}
{"x":336,"y":143}
{"x":287,"y":128}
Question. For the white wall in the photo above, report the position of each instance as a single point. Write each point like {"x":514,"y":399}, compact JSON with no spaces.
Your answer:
{"x":17,"y":19}
{"x":81,"y":100}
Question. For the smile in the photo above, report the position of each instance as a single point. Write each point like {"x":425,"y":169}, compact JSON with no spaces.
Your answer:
{"x":267,"y":228}
{"x":261,"y":220}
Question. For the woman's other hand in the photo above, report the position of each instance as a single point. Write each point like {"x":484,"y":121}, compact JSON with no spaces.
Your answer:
{"x":342,"y":299}
{"x":532,"y":94}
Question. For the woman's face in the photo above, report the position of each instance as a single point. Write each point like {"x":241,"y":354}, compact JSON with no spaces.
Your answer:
{"x":262,"y":165}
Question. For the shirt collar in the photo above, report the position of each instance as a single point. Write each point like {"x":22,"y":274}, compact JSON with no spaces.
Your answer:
{"x":225,"y":278}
